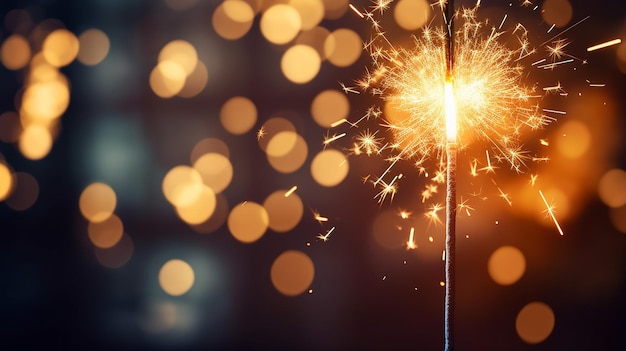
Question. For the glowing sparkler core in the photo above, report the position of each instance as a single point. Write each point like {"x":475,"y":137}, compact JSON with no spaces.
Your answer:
{"x":450,"y":113}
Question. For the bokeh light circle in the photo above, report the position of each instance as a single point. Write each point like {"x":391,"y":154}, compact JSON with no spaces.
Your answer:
{"x":300,"y":64}
{"x":176,"y":277}
{"x":94,"y":47}
{"x":292,"y":273}
{"x":182,"y":185}
{"x":6,"y":181}
{"x":285,"y":212}
{"x":200,"y":210}
{"x":535,"y":322}
{"x":216,"y":171}
{"x":248,"y":221}
{"x":97,"y":202}
{"x":612,"y":188}
{"x":15,"y":52}
{"x":25,"y":192}
{"x":343,"y":47}
{"x":575,"y":140}
{"x":411,"y":14}
{"x":329,"y":106}
{"x":107,"y":233}
{"x":293,"y":160}
{"x":329,"y":167}
{"x":280,"y":24}
{"x":232,"y":19}
{"x":238,"y":115}
{"x":60,"y":47}
{"x":557,"y":12}
{"x":506,"y":265}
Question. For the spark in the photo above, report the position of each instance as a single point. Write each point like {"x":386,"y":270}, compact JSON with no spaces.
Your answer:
{"x":367,"y":141}
{"x":533,"y":179}
{"x":347,"y":89}
{"x":410,"y":244}
{"x":604,"y":45}
{"x":387,"y":189}
{"x":338,"y":123}
{"x":505,"y":196}
{"x":433,"y":214}
{"x":356,"y":11}
{"x":550,"y":211}
{"x":405,"y":214}
{"x":463,"y":206}
{"x":318,"y":217}
{"x":260,"y":133}
{"x":329,"y":140}
{"x":291,"y":191}
{"x":554,"y":111}
{"x":325,"y":237}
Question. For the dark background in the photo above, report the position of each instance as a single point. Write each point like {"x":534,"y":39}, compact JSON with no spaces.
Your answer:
{"x":53,"y":292}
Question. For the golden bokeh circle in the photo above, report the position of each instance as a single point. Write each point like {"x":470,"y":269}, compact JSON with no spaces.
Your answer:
{"x":176,"y":277}
{"x":329,"y":167}
{"x":97,"y":202}
{"x":300,"y":64}
{"x":107,"y":233}
{"x":280,"y":24}
{"x":248,"y":221}
{"x":535,"y":322}
{"x":506,"y":265}
{"x":285,"y":212}
{"x":292,"y":273}
{"x":412,"y":14}
{"x":182,"y":185}
{"x":238,"y":115}
{"x":330,"y":106}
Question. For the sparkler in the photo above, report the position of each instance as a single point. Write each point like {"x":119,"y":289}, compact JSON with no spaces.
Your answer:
{"x":472,"y":72}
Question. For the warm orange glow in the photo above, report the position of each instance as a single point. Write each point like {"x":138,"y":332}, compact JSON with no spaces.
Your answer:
{"x":450,"y":113}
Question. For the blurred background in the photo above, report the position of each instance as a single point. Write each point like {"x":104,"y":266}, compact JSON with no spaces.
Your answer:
{"x":175,"y":174}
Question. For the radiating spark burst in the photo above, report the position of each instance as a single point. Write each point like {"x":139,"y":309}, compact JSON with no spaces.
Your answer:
{"x":326,"y":236}
{"x":550,"y":211}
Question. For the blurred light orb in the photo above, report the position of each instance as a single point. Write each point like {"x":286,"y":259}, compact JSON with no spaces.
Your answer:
{"x":281,"y":144}
{"x":208,"y":145}
{"x":35,"y":142}
{"x":411,"y":14}
{"x":557,"y":12}
{"x":94,"y":47}
{"x":97,"y":202}
{"x":176,"y":277}
{"x":300,"y":64}
{"x":576,"y":139}
{"x":118,"y":255}
{"x":217,"y":218}
{"x":271,"y":128}
{"x":216,"y":171}
{"x":238,"y":115}
{"x":335,"y":9}
{"x":285,"y":212}
{"x":292,"y":273}
{"x":6,"y":181}
{"x":280,"y":24}
{"x":195,"y":82}
{"x":107,"y":233}
{"x":330,"y":106}
{"x":311,"y":12}
{"x":329,"y":167}
{"x":180,"y":52}
{"x":60,"y":47}
{"x":15,"y":52}
{"x":167,"y":79}
{"x":506,"y":265}
{"x":232,"y":19}
{"x":535,"y":322}
{"x":201,"y":209}
{"x":46,"y":101}
{"x":343,"y":47}
{"x":182,"y":185}
{"x":25,"y":192}
{"x":292,"y":160}
{"x":248,"y":221}
{"x":612,"y":188}
{"x":314,"y":38}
